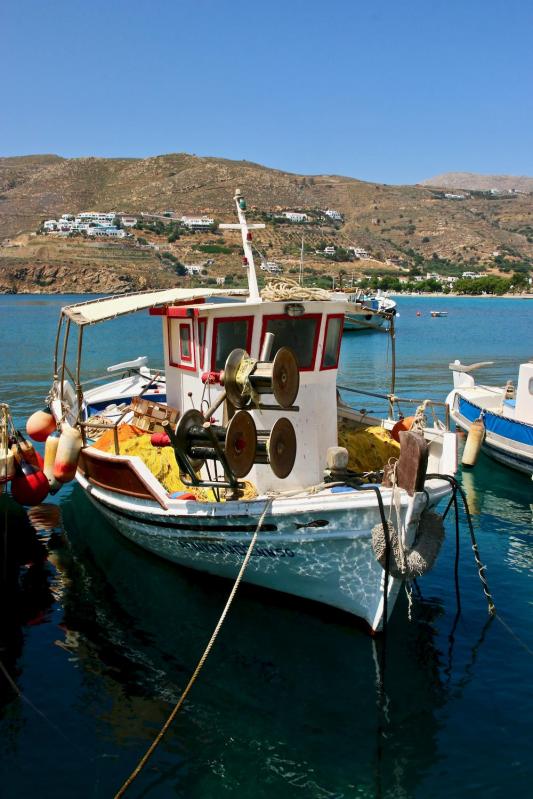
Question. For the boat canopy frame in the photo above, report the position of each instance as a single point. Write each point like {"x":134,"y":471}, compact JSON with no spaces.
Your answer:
{"x":104,"y":309}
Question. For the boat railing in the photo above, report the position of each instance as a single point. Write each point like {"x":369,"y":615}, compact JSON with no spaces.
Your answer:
{"x":393,"y":400}
{"x":127,"y":373}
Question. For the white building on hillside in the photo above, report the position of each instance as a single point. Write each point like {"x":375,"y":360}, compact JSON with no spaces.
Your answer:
{"x":198,"y":222}
{"x":96,"y":216}
{"x":359,"y":252}
{"x":336,"y":215}
{"x":128,"y":221}
{"x":295,"y":216}
{"x":100,"y":231}
{"x":50,"y":224}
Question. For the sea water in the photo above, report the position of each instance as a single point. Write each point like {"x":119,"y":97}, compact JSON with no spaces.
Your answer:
{"x":99,"y":638}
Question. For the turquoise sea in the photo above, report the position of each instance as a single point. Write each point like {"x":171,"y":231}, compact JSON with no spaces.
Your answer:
{"x":99,"y":638}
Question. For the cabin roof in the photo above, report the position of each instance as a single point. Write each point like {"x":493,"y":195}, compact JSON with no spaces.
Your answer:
{"x":104,"y":308}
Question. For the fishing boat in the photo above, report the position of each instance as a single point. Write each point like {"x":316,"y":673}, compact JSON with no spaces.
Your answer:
{"x":436,"y":314}
{"x":367,"y":311}
{"x":505,"y":411}
{"x":248,"y":390}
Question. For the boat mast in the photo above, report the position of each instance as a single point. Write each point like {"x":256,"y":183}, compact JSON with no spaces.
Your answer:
{"x":248,"y":259}
{"x":301,"y":280}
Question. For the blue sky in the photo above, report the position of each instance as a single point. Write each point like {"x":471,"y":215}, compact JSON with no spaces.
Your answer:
{"x":386,"y":91}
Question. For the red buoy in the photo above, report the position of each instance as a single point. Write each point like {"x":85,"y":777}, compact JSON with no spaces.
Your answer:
{"x":30,"y":486}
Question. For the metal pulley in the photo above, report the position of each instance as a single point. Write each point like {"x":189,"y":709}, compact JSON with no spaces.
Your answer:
{"x":246,"y":378}
{"x":237,"y":446}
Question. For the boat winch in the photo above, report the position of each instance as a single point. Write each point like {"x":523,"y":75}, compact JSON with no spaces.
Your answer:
{"x":245,"y":379}
{"x":239,"y":445}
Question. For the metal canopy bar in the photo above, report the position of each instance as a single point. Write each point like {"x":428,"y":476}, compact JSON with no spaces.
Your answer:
{"x":100,"y":310}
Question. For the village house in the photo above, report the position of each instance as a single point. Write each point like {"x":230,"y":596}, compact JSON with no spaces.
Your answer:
{"x":128,"y":221}
{"x":198,"y":222}
{"x":335,"y":215}
{"x":359,"y":252}
{"x":295,"y":216}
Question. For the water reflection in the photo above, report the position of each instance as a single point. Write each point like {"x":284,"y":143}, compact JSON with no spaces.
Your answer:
{"x":288,"y":699}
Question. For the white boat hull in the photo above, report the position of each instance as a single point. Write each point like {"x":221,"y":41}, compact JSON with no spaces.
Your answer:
{"x":304,"y":548}
{"x":363,"y":321}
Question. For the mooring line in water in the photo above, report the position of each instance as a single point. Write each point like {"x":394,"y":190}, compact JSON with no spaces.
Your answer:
{"x":39,"y":712}
{"x":177,"y":707}
{"x":481,"y":568}
{"x":515,"y":636}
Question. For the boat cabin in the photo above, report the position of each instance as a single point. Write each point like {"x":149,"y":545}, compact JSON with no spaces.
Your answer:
{"x":199,"y":336}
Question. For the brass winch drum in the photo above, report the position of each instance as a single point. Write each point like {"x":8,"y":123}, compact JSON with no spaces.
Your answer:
{"x":243,"y":376}
{"x":241,"y":444}
{"x":281,"y":448}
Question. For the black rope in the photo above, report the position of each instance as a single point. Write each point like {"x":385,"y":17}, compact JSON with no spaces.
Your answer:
{"x":480,"y":566}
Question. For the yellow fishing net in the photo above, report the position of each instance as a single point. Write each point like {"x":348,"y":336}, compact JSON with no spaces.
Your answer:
{"x":369,"y":448}
{"x":161,"y":462}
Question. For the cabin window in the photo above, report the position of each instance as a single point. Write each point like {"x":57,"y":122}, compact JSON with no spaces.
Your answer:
{"x":202,"y":329}
{"x":228,"y":335}
{"x":185,"y":342}
{"x":332,"y":341}
{"x":181,"y":343}
{"x":300,"y":333}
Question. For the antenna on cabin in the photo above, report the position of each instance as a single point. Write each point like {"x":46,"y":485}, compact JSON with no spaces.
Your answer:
{"x":248,"y":258}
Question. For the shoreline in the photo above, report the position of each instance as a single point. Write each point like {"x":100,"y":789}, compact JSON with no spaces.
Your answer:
{"x":436,"y":294}
{"x":441,"y":295}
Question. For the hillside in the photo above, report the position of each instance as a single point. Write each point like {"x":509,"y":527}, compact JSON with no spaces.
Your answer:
{"x":474,"y":182}
{"x":409,"y":224}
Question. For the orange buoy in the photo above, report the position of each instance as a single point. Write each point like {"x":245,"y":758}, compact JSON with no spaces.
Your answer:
{"x":418,"y":313}
{"x":474,"y":441}
{"x":402,"y":424}
{"x":40,"y":425}
{"x":68,"y":453}
{"x":30,"y":486}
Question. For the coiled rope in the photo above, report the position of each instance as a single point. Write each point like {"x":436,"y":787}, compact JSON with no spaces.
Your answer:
{"x":164,"y":729}
{"x":276,"y":290}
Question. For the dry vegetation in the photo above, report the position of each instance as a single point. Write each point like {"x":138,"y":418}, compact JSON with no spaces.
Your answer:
{"x":388,"y":221}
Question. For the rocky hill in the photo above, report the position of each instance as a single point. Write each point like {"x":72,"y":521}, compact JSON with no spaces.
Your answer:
{"x":472,"y":181}
{"x":404,"y":223}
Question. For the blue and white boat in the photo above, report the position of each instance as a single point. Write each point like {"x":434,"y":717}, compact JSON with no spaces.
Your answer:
{"x":367,"y":311}
{"x":506,"y":412}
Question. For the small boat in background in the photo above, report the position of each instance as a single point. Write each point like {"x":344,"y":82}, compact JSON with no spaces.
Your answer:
{"x":506,"y":413}
{"x":366,"y":311}
{"x":439,"y":313}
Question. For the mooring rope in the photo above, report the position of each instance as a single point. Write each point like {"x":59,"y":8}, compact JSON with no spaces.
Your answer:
{"x":457,"y":489}
{"x":164,"y":729}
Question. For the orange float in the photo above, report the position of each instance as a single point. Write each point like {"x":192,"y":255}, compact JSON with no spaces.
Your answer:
{"x":40,"y":425}
{"x":402,"y":424}
{"x":68,"y":453}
